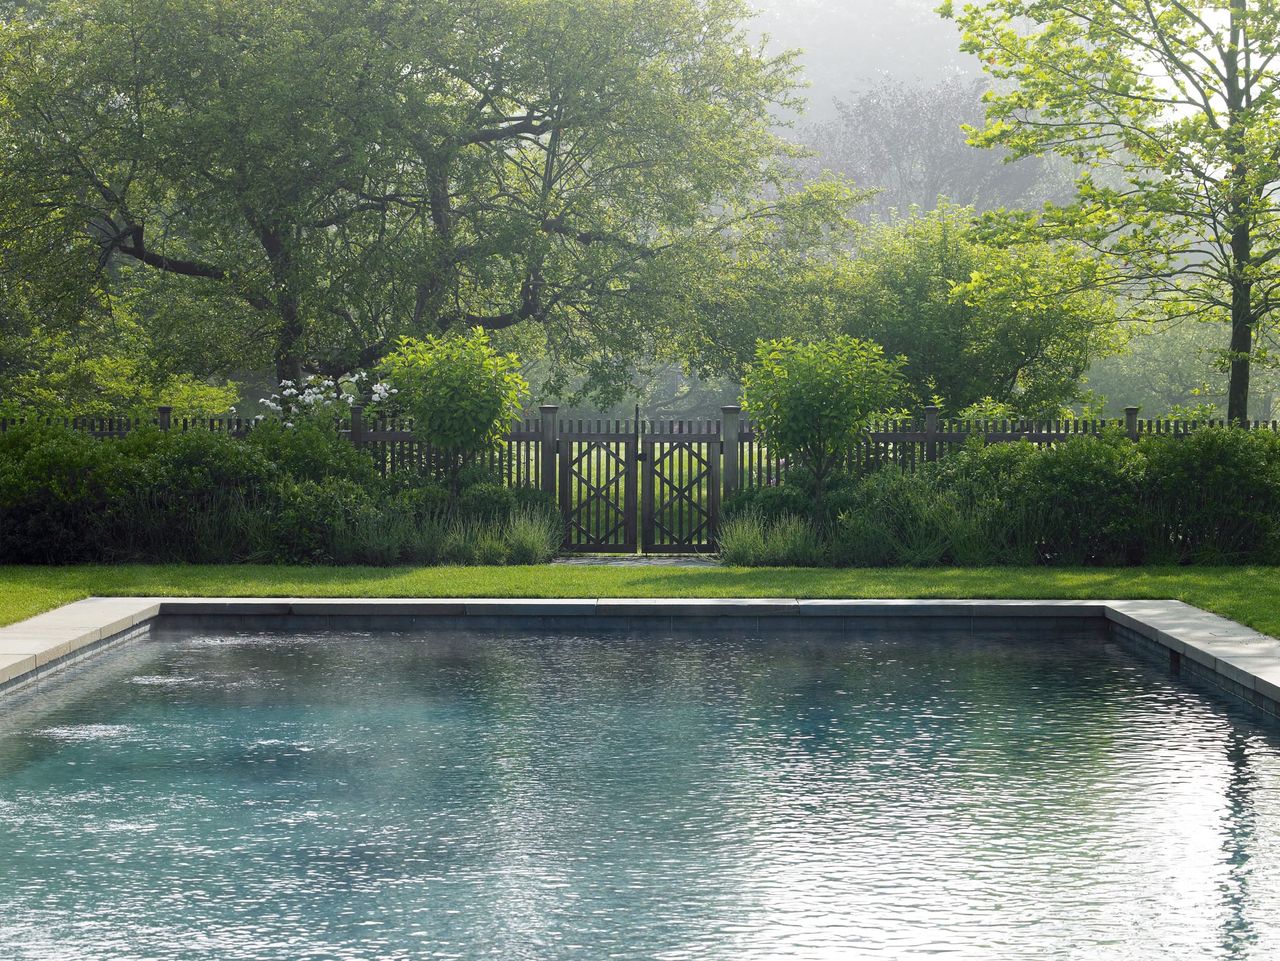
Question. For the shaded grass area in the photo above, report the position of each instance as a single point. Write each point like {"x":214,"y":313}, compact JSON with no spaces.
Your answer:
{"x":1247,"y":594}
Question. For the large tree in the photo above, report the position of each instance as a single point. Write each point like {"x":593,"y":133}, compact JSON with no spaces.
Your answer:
{"x":978,"y":321}
{"x":907,"y":140}
{"x":1171,"y":109}
{"x":350,"y":172}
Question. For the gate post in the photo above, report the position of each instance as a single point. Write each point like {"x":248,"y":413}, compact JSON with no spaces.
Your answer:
{"x":1131,"y":422}
{"x":730,"y":433}
{"x":547,"y":448}
{"x":164,"y":417}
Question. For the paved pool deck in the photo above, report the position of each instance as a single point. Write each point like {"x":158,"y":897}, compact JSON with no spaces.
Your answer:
{"x":1241,"y":661}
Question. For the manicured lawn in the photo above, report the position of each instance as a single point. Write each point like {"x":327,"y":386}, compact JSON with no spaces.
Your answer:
{"x":1248,"y":594}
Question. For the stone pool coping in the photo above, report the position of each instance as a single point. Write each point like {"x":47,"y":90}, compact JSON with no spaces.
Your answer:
{"x":1236,"y":658}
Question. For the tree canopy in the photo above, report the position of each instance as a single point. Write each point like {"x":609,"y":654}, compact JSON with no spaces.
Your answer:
{"x":345,"y":174}
{"x":907,"y":141}
{"x":978,"y":321}
{"x":1171,"y":109}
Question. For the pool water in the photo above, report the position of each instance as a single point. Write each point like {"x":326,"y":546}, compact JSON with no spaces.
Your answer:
{"x":471,"y":797}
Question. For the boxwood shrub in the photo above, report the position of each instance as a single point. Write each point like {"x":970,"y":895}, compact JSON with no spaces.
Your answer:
{"x":1211,"y":497}
{"x":288,"y":495}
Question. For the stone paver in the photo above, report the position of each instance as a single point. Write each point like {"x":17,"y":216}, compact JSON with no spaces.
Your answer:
{"x":1239,"y":655}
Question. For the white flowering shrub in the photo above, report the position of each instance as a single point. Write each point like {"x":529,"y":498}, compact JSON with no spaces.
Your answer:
{"x":326,"y":399}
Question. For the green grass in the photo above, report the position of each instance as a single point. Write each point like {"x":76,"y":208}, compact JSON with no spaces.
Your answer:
{"x":1247,"y":594}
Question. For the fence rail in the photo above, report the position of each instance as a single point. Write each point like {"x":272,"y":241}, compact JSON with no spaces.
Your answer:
{"x":622,"y":484}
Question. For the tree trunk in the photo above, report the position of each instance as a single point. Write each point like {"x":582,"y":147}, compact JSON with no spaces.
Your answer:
{"x":1241,"y":353}
{"x":1242,"y":216}
{"x":289,"y":337}
{"x":289,"y":340}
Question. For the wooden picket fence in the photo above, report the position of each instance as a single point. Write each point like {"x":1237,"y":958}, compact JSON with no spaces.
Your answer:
{"x":624,"y":485}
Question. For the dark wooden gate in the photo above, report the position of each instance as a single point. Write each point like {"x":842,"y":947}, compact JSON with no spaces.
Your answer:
{"x":598,"y":486}
{"x":681,"y":500}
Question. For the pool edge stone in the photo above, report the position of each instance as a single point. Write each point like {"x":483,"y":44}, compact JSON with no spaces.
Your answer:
{"x":1237,"y":659}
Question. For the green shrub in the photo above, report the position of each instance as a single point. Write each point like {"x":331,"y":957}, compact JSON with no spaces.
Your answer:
{"x":1213,"y":497}
{"x":371,"y":534}
{"x":900,"y":518}
{"x":58,"y":489}
{"x":741,"y":539}
{"x":1084,"y":498}
{"x":310,"y":515}
{"x":312,"y":451}
{"x":287,"y":495}
{"x":462,"y":393}
{"x":812,"y":402}
{"x":769,"y":503}
{"x":795,"y":497}
{"x":488,"y":500}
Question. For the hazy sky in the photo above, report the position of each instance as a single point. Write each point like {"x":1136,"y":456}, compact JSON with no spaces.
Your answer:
{"x":850,"y":43}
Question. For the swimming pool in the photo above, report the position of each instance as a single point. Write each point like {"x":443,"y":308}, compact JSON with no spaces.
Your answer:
{"x":481,"y":795}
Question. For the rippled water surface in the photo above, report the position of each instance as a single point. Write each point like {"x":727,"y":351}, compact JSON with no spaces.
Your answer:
{"x":339,"y":797}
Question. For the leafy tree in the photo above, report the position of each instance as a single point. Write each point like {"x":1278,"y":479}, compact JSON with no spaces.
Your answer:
{"x":813,"y":401}
{"x":462,"y":393}
{"x":908,"y":141}
{"x":978,"y":322}
{"x":1170,"y":108}
{"x":350,"y":173}
{"x":91,"y":358}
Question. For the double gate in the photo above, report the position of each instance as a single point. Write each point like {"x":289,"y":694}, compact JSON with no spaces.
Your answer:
{"x":645,"y":485}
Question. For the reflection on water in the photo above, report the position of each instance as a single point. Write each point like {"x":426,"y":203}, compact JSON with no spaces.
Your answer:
{"x":590,"y":798}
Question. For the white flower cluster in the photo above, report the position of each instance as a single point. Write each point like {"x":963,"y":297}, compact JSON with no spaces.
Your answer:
{"x":321,"y":396}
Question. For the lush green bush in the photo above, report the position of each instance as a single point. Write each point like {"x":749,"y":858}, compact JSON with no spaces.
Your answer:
{"x":1213,"y":497}
{"x":57,"y":490}
{"x":899,"y":519}
{"x":313,"y":451}
{"x":289,"y":495}
{"x":462,"y":393}
{"x":812,"y":402}
{"x":795,"y":498}
{"x":1084,"y":496}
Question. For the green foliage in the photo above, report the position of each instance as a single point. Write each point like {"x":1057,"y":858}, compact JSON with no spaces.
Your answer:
{"x":462,"y":393}
{"x":313,"y":179}
{"x":812,"y":401}
{"x":98,"y":364}
{"x":55,"y":488}
{"x":1215,"y":495}
{"x":1085,"y":494}
{"x":312,"y":451}
{"x":979,"y":322}
{"x":795,"y":496}
{"x":1169,"y":111}
{"x":751,"y":539}
{"x":294,"y":495}
{"x":901,"y":519}
{"x":532,"y":536}
{"x":1212,"y":497}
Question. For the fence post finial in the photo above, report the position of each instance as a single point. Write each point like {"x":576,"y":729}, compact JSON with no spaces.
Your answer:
{"x":730,"y":428}
{"x":1131,"y":422}
{"x":164,"y":417}
{"x":547,"y":448}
